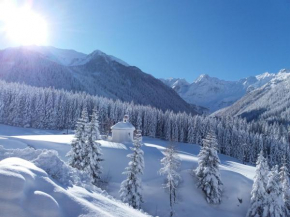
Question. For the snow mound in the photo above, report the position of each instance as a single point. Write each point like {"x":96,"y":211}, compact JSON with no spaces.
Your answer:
{"x":49,"y":161}
{"x":28,"y":191}
{"x":9,"y":191}
{"x":40,"y":201}
{"x":18,"y":179}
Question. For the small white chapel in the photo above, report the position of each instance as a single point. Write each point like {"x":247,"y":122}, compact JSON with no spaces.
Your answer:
{"x":123,"y":131}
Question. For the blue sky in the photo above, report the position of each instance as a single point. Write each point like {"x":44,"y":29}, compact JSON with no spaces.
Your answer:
{"x":229,"y":39}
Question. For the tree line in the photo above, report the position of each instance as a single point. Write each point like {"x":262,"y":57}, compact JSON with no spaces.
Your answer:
{"x":49,"y":108}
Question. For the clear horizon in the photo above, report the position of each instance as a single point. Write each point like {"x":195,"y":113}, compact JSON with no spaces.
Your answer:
{"x":229,"y":40}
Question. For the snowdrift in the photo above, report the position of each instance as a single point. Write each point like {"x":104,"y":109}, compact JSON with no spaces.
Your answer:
{"x":28,"y":191}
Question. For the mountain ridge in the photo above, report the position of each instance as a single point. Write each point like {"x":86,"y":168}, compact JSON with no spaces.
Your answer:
{"x":270,"y":102}
{"x":96,"y":73}
{"x":214,"y":93}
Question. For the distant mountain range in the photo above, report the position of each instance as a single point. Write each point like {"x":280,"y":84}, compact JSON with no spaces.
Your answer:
{"x":271,"y":102}
{"x":96,"y":74}
{"x":263,"y":96}
{"x":216,"y":94}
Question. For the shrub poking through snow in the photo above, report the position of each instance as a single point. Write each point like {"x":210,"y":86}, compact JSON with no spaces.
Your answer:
{"x":171,"y":164}
{"x":130,"y":191}
{"x":207,"y":172}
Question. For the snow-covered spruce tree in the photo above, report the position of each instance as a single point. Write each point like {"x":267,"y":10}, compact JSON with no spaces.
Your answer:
{"x":258,"y":194}
{"x":207,"y":172}
{"x":130,"y":191}
{"x":78,"y":153}
{"x":274,"y":204}
{"x":171,"y":164}
{"x":284,"y":177}
{"x":94,"y":156}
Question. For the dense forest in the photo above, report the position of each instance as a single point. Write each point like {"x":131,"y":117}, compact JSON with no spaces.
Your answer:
{"x":48,"y":108}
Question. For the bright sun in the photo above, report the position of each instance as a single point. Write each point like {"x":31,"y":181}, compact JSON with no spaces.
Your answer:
{"x":23,"y":26}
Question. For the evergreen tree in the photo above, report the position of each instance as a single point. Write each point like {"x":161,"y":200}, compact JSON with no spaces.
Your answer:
{"x":167,"y":126}
{"x":274,"y":206}
{"x":258,"y":194}
{"x":130,"y":191}
{"x":27,"y":106}
{"x":171,"y":164}
{"x":207,"y":172}
{"x":139,"y":121}
{"x":94,"y":156}
{"x":284,"y":177}
{"x":49,"y":112}
{"x":78,"y":153}
{"x":190,"y":132}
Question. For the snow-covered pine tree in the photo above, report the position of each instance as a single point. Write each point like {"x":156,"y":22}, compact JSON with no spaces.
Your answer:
{"x":274,"y":206}
{"x":258,"y":194}
{"x":171,"y":164}
{"x":78,"y":152}
{"x":190,"y":131}
{"x":131,"y":187}
{"x":207,"y":172}
{"x":167,"y":125}
{"x":139,"y":120}
{"x":94,"y":156}
{"x":27,"y":106}
{"x":284,"y":177}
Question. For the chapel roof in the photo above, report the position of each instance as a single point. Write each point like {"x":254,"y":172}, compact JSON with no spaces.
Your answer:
{"x":123,"y":126}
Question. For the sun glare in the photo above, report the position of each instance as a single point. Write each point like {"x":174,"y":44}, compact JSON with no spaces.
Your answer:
{"x":22,"y":25}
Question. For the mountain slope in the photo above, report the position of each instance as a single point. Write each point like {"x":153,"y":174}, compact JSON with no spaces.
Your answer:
{"x":270,"y":102}
{"x":96,"y":74}
{"x":214,"y":93}
{"x":61,"y":56}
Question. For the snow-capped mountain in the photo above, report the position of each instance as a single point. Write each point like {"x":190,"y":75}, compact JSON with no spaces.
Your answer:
{"x":214,"y":93}
{"x":175,"y":83}
{"x":61,"y":56}
{"x":96,"y":73}
{"x":70,"y":57}
{"x":87,"y":58}
{"x":271,"y":102}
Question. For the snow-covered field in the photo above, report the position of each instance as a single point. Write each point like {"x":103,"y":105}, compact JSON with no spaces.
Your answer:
{"x":237,"y":179}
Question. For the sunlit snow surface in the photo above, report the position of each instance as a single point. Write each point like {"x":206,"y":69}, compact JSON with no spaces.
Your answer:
{"x":237,"y":178}
{"x":28,"y":191}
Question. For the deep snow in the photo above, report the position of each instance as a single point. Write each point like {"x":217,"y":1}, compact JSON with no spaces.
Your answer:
{"x":237,"y":178}
{"x":28,"y":191}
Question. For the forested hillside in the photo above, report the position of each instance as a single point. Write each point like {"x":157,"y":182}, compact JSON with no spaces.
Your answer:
{"x":47,"y":108}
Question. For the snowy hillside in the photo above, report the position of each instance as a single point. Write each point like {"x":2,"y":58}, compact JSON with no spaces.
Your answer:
{"x":237,"y":178}
{"x":269,"y":102}
{"x":214,"y":93}
{"x":96,"y":74}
